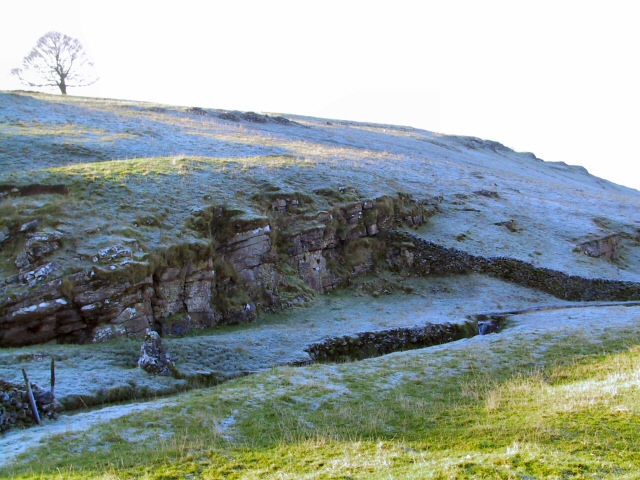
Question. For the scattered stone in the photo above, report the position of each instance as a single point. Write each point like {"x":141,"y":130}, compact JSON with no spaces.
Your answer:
{"x":253,"y":117}
{"x":4,"y":235}
{"x":487,"y":193}
{"x":153,"y":358}
{"x":38,"y":246}
{"x":29,"y":226}
{"x":510,"y":225}
{"x":606,"y":247}
{"x":231,"y":116}
{"x":197,"y":111}
{"x":281,"y":120}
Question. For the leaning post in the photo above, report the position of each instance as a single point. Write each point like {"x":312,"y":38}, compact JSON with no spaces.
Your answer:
{"x":32,"y":401}
{"x":53,"y":377}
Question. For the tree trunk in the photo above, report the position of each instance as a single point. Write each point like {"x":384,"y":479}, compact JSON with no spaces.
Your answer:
{"x":63,"y":87}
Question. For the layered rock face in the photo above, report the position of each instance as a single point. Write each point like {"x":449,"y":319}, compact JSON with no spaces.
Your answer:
{"x":241,"y":266}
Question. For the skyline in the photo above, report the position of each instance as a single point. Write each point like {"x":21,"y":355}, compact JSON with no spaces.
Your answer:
{"x":555,"y":80}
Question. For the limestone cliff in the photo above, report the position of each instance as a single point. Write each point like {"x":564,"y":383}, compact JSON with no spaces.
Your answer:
{"x":241,"y":266}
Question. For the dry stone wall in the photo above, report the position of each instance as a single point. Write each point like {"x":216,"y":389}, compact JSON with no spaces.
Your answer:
{"x":410,"y":252}
{"x":374,"y":344}
{"x":14,"y":405}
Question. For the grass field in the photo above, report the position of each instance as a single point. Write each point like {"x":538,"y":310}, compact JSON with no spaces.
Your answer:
{"x":553,"y":406}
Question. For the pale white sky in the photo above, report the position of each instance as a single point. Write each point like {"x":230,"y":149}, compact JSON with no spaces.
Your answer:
{"x":558,"y":78}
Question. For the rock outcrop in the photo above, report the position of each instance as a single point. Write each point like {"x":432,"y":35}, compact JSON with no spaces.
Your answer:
{"x":250,"y":117}
{"x":244,"y":265}
{"x":606,"y":247}
{"x":38,"y":246}
{"x":241,"y":266}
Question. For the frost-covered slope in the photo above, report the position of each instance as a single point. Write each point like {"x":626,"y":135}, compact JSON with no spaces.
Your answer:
{"x":173,"y":161}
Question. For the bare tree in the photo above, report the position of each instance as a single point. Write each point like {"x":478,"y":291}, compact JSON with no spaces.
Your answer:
{"x":57,"y":60}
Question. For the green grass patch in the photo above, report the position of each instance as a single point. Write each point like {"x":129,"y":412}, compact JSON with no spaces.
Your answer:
{"x":414,"y":415}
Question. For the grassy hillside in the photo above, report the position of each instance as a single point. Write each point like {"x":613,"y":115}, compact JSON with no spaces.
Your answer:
{"x":555,"y":394}
{"x":142,"y":174}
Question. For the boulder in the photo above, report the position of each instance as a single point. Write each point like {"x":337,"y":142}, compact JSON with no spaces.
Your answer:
{"x":29,"y":226}
{"x":606,"y":247}
{"x":153,"y":358}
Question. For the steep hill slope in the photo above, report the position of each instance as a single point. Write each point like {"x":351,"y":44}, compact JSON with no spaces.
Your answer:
{"x":119,"y":216}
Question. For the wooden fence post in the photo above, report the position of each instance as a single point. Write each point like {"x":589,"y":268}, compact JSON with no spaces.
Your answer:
{"x":53,"y":377}
{"x":32,"y":401}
